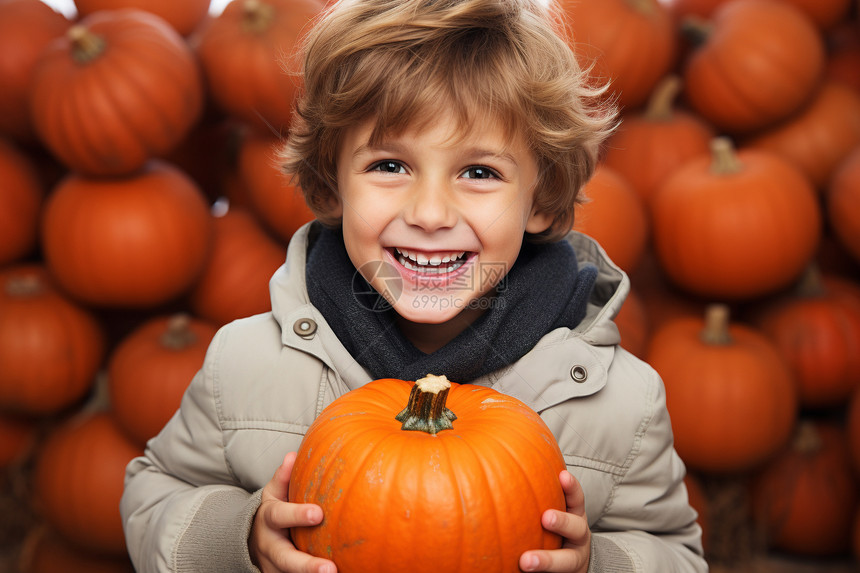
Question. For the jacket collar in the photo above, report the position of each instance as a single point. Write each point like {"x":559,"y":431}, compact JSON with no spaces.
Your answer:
{"x":564,"y":364}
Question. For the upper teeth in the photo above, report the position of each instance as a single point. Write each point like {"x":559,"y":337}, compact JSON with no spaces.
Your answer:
{"x":434,"y":259}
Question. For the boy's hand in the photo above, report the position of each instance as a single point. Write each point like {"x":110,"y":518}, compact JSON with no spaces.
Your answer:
{"x":269,"y":543}
{"x":575,"y":553}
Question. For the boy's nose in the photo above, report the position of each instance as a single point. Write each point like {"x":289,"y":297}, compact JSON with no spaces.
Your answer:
{"x":430,"y":207}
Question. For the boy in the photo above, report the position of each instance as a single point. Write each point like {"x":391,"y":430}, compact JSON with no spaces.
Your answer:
{"x":443,"y":144}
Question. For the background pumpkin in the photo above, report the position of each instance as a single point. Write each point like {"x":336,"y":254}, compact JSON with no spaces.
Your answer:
{"x":731,"y":397}
{"x":499,"y":464}
{"x":20,"y":203}
{"x":842,"y":199}
{"x":243,"y":53}
{"x":150,"y":369}
{"x":26,"y":27}
{"x":78,"y":481}
{"x":710,"y":234}
{"x":46,"y":552}
{"x":184,"y":16}
{"x":630,"y":42}
{"x":753,"y":64}
{"x":120,"y":88}
{"x":50,"y":348}
{"x":138,"y":241}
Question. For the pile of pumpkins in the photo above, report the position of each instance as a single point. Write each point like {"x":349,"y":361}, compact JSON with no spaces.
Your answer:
{"x":142,"y":207}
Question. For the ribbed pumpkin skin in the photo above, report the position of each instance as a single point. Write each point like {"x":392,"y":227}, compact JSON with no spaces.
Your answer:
{"x":631,"y":42}
{"x":736,"y":235}
{"x":409,"y":501}
{"x":20,"y":204}
{"x":150,"y":369}
{"x":135,"y":100}
{"x":243,"y":52}
{"x":759,"y":65}
{"x":26,"y":27}
{"x":138,"y":241}
{"x":50,"y":348}
{"x":732,"y":405}
{"x":182,"y":15}
{"x":78,"y":481}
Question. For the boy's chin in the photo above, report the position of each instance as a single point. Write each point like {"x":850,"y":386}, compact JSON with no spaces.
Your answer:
{"x":429,"y":310}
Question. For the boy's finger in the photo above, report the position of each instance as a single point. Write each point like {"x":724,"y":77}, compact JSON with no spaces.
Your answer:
{"x":573,"y":495}
{"x":282,"y":515}
{"x":572,"y":527}
{"x":279,"y":486}
{"x":558,"y":560}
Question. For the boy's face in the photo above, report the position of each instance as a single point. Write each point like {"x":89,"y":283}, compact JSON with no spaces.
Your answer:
{"x":434,"y":220}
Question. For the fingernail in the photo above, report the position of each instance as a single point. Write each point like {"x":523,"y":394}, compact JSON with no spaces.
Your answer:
{"x":326,"y":568}
{"x":551,"y":518}
{"x":531,"y":563}
{"x":313,"y":514}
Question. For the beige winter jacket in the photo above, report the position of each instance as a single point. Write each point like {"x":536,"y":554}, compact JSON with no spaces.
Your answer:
{"x":189,"y":503}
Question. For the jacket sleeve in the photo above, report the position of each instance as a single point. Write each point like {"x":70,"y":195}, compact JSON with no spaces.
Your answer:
{"x":648,"y":524}
{"x":182,"y":507}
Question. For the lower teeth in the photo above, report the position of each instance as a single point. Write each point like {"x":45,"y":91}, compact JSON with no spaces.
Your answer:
{"x":430,"y":269}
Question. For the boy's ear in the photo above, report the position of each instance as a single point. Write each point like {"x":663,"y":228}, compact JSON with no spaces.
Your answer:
{"x":538,"y":222}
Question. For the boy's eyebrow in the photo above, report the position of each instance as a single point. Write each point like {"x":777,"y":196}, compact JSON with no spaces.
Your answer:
{"x":471,"y":153}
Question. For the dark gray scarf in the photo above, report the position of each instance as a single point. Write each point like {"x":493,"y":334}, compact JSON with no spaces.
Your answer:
{"x":544,"y":290}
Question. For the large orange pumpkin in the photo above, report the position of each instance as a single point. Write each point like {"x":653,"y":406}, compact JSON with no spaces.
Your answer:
{"x":20,"y":203}
{"x":271,"y":196}
{"x":807,"y":496}
{"x":78,"y":481}
{"x":50,"y":348}
{"x":631,"y":43}
{"x":244,"y":52}
{"x":842,"y":200}
{"x":817,"y":330}
{"x":735,"y":225}
{"x":730,"y":394}
{"x":235,"y":280}
{"x":421,"y":500}
{"x":137,"y":241}
{"x":26,"y":27}
{"x":649,"y":145}
{"x":615,"y":216}
{"x":119,"y":88}
{"x":183,"y":16}
{"x":755,"y":62}
{"x":820,"y":136}
{"x":150,"y":369}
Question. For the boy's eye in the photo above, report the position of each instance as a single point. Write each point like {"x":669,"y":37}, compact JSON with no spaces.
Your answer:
{"x":478,"y":172}
{"x":388,"y":167}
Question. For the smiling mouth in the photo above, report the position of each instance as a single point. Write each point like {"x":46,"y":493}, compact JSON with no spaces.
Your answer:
{"x":436,"y":263}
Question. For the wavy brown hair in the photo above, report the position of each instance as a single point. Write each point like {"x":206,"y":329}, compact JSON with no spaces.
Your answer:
{"x":396,"y":60}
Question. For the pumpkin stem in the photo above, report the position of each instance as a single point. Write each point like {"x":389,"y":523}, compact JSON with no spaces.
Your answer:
{"x":23,"y":286}
{"x":662,"y":100}
{"x":716,"y":331}
{"x":86,"y":46}
{"x":178,"y":334}
{"x":696,"y":29}
{"x":643,"y":6}
{"x":257,"y":16}
{"x":425,"y":411}
{"x":724,"y":160}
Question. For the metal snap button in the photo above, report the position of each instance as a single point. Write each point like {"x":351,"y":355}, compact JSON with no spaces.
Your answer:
{"x":579,"y":373}
{"x":305,"y":327}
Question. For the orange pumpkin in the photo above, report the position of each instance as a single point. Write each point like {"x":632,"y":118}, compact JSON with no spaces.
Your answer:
{"x":649,"y":145}
{"x":735,"y":225}
{"x":806,"y":498}
{"x":20,"y":203}
{"x":273,"y":199}
{"x":183,"y":16}
{"x":631,"y":43}
{"x":819,"y":137}
{"x":632,"y":322}
{"x":121,"y":87}
{"x":50,"y":348}
{"x":45,"y":551}
{"x":150,"y":369}
{"x":818,"y":333}
{"x":843,"y":56}
{"x":235,"y":280}
{"x":421,"y":500}
{"x":842,"y":199}
{"x":826,"y":14}
{"x":754,"y":63}
{"x":243,"y":52}
{"x":730,"y":394}
{"x":137,"y":241}
{"x":78,"y":481}
{"x":614,"y":216}
{"x":26,"y":27}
